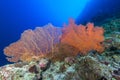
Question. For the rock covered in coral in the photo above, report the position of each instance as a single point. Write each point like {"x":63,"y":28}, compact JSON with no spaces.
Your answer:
{"x":10,"y":72}
{"x":112,"y":42}
{"x":111,"y":25}
{"x":83,"y":68}
{"x":87,"y":68}
{"x":22,"y":71}
{"x":91,"y":69}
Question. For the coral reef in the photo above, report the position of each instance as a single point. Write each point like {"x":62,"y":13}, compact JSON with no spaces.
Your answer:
{"x":83,"y":68}
{"x":62,"y":61}
{"x":84,"y":38}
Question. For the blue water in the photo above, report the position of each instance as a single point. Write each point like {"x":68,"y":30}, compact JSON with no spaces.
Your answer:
{"x":19,"y":15}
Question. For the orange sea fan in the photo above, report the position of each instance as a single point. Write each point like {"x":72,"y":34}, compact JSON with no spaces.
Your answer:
{"x":84,"y":38}
{"x":36,"y":42}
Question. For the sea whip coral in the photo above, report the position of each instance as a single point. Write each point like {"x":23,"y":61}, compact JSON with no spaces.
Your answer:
{"x":33,"y":43}
{"x":84,"y":38}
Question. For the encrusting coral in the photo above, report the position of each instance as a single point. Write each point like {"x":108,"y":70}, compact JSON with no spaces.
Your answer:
{"x":33,"y":43}
{"x":84,"y":38}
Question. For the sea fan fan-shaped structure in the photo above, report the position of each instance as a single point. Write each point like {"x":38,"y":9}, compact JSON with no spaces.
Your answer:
{"x":36,"y":42}
{"x":84,"y":38}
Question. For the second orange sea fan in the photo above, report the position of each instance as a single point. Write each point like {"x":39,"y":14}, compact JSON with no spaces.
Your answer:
{"x":84,"y":38}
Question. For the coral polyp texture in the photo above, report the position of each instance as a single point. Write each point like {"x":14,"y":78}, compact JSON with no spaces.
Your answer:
{"x":84,"y":38}
{"x":33,"y":43}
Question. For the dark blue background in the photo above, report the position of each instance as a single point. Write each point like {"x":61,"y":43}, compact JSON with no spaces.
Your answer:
{"x":19,"y":15}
